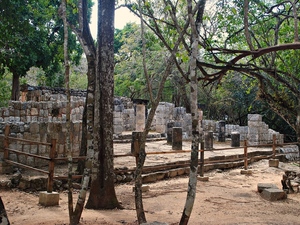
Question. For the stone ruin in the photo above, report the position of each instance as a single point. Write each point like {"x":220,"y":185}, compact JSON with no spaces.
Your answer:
{"x":40,"y":115}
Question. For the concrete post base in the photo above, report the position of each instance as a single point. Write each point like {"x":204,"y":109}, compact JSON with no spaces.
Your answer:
{"x":246,"y":172}
{"x":274,"y":163}
{"x":48,"y":199}
{"x":204,"y":178}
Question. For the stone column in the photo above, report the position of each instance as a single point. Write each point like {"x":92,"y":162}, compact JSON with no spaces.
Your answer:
{"x":221,"y":136}
{"x":177,"y":138}
{"x":235,"y":139}
{"x":140,"y":114}
{"x":170,"y":126}
{"x":208,"y":140}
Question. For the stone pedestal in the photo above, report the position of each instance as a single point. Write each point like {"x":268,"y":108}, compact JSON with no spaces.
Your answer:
{"x":274,"y":163}
{"x":140,"y":114}
{"x":170,"y":126}
{"x":177,"y":138}
{"x":222,"y":131}
{"x":208,"y":140}
{"x":140,"y":118}
{"x":235,"y":139}
{"x":49,"y":199}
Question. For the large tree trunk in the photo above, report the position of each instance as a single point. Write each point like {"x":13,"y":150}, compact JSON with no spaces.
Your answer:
{"x":15,"y":91}
{"x":102,"y":192}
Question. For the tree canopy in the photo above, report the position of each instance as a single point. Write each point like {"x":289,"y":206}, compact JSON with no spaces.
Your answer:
{"x":31,"y":35}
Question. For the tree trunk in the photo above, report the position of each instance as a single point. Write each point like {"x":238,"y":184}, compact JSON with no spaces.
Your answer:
{"x":63,"y":15}
{"x":87,"y":42}
{"x":3,"y":216}
{"x":102,"y":192}
{"x":15,"y":91}
{"x":191,"y":194}
{"x":154,"y":103}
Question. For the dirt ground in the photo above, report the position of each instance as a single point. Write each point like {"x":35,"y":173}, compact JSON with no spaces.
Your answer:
{"x":227,"y":198}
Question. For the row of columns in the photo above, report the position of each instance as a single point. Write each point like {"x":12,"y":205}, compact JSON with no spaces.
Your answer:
{"x":174,"y":129}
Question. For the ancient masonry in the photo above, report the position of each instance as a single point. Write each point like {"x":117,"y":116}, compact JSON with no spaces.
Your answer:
{"x":41,"y":116}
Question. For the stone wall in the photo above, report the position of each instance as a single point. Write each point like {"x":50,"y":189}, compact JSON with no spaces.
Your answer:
{"x":41,"y":116}
{"x":259,"y":132}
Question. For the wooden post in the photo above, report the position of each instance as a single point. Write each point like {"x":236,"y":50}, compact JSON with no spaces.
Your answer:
{"x":202,"y":159}
{"x":52,"y":155}
{"x":135,"y":144}
{"x":245,"y":155}
{"x":274,"y":146}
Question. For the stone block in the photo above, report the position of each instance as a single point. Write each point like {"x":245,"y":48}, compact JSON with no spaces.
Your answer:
{"x":246,"y":172}
{"x":34,"y":112}
{"x":149,"y":178}
{"x":154,"y":223}
{"x":172,"y":173}
{"x":177,"y":138}
{"x":273,"y":194}
{"x":274,"y":163}
{"x":203,"y":179}
{"x":263,"y":186}
{"x":145,"y":188}
{"x":49,"y":199}
{"x":254,"y":117}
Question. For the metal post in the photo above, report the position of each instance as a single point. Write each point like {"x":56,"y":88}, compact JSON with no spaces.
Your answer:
{"x":245,"y":155}
{"x":52,"y":155}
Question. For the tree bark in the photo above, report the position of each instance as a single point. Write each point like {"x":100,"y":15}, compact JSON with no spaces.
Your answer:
{"x":192,"y":186}
{"x":15,"y":91}
{"x":85,"y":38}
{"x":102,"y":192}
{"x":3,"y":216}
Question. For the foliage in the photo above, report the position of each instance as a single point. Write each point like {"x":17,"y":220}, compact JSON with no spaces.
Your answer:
{"x":5,"y":88}
{"x":129,"y":75}
{"x":31,"y":35}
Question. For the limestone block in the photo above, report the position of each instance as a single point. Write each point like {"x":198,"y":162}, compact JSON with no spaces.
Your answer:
{"x":274,"y":163}
{"x":48,"y":199}
{"x":254,"y":117}
{"x":50,"y":105}
{"x":34,"y":112}
{"x":118,"y":121}
{"x":34,"y":128}
{"x":149,"y":178}
{"x":204,"y":178}
{"x":273,"y":194}
{"x":263,"y":186}
{"x":118,"y":129}
{"x":160,"y":128}
{"x":5,"y":112}
{"x":118,"y":114}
